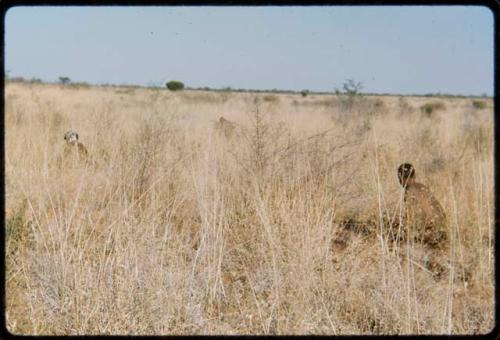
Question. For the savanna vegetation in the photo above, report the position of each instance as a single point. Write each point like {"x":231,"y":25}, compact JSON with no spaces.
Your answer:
{"x":181,"y":227}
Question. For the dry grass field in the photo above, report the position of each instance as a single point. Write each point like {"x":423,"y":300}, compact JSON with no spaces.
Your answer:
{"x":182,"y":224}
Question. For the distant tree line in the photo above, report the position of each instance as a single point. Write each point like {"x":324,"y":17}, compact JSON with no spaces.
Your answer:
{"x":350,"y":88}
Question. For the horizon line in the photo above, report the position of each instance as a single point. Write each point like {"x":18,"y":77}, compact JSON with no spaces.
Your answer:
{"x":36,"y":80}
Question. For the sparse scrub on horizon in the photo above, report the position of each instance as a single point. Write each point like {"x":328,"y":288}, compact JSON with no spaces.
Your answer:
{"x":181,"y":229}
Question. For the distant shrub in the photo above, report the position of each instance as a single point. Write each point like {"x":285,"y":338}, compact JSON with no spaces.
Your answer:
{"x":404,"y":106}
{"x":17,"y":80}
{"x":379,"y":104}
{"x":80,"y":84}
{"x":430,"y":108}
{"x":304,"y":93}
{"x":35,"y":81}
{"x":350,"y":95}
{"x":479,"y":104}
{"x":64,"y":80}
{"x":360,"y":105}
{"x":270,"y":98}
{"x":175,"y":85}
{"x":352,"y":88}
{"x":126,"y":90}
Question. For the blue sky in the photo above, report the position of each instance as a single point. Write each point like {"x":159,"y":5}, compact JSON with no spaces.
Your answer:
{"x":396,"y":49}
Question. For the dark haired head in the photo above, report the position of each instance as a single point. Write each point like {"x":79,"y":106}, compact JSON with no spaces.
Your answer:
{"x":406,"y":173}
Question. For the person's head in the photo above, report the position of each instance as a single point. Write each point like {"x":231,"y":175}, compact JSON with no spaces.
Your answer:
{"x":406,"y":174}
{"x":71,"y":137}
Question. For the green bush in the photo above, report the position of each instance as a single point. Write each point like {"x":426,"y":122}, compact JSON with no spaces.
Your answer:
{"x":304,"y":93}
{"x":479,"y":104}
{"x":175,"y":85}
{"x":430,"y":108}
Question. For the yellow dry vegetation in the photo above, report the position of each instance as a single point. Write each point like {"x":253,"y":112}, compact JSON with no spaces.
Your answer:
{"x":177,"y":229}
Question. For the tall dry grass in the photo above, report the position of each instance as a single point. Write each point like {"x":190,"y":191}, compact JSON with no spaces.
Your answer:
{"x":178,"y":229}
